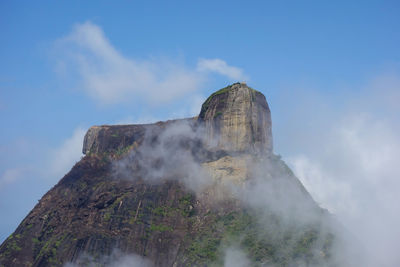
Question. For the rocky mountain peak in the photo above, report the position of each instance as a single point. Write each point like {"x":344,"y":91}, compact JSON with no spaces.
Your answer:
{"x":177,"y":193}
{"x":234,"y":119}
{"x":237,"y":119}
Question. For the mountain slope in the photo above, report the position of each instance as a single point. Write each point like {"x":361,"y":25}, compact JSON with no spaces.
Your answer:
{"x":178,"y":193}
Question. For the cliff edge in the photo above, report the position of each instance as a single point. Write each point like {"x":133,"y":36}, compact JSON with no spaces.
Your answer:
{"x":237,"y":119}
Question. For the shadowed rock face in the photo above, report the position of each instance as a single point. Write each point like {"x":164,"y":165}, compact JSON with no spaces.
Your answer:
{"x":237,"y":119}
{"x":111,"y":138}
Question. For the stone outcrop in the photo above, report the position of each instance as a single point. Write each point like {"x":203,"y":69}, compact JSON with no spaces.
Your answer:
{"x":234,"y":119}
{"x":112,"y":138}
{"x":237,"y":119}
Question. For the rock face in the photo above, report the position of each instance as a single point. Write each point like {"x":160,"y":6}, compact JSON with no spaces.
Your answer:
{"x":234,"y":119}
{"x":106,"y":139}
{"x":177,"y":193}
{"x":238,"y":119}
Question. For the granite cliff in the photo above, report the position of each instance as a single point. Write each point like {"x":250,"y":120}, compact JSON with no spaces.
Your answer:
{"x":238,"y":119}
{"x":235,"y":119}
{"x":178,"y":193}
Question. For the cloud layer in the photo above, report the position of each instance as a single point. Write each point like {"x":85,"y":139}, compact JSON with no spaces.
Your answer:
{"x":221,"y":67}
{"x":347,"y":160}
{"x":109,"y":77}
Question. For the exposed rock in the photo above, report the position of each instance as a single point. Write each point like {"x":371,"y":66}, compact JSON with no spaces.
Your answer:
{"x":237,"y":118}
{"x":233,"y":169}
{"x":95,"y":209}
{"x":111,"y":138}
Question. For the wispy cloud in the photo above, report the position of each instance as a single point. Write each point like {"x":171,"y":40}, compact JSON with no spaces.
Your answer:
{"x":115,"y":259}
{"x":66,"y":155}
{"x":31,"y":170}
{"x":11,"y":176}
{"x":110,"y":77}
{"x":357,"y":176}
{"x":52,"y":164}
{"x":349,"y":162}
{"x":234,"y":257}
{"x":221,"y":67}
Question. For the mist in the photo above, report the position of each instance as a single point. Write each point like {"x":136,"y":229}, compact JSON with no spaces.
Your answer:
{"x":347,"y":161}
{"x":115,"y":259}
{"x":263,"y":183}
{"x":346,"y":155}
{"x":234,"y":257}
{"x":167,"y":155}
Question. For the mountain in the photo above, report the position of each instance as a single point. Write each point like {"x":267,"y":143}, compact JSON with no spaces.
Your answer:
{"x":202,"y":191}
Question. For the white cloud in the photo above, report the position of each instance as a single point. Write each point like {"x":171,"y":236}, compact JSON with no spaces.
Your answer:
{"x":10,"y":176}
{"x":235,"y":257}
{"x":115,"y":259}
{"x":49,"y":164}
{"x":351,"y":167}
{"x":111,"y":78}
{"x":66,"y":155}
{"x":31,"y":170}
{"x":358,"y":178}
{"x":221,"y":67}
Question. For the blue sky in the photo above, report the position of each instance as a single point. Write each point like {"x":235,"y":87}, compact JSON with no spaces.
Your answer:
{"x":67,"y":65}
